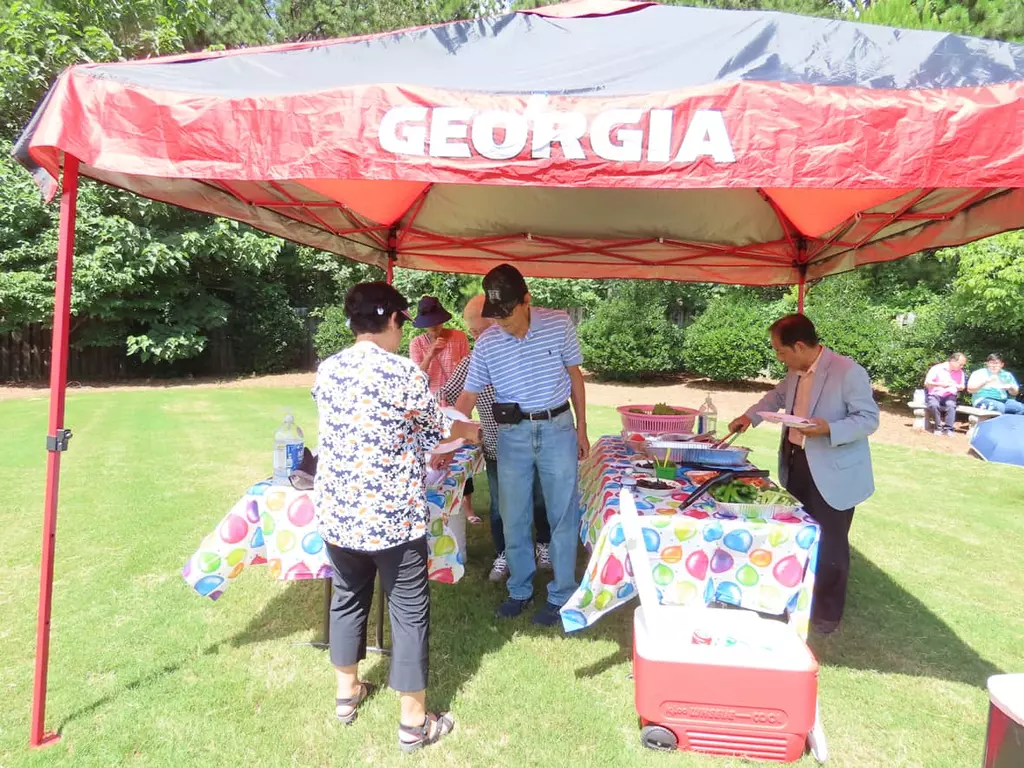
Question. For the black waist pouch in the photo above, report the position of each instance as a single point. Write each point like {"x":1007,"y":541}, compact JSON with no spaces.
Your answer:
{"x":508,"y":413}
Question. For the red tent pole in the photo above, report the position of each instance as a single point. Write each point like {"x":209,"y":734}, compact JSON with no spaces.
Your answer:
{"x":390,"y":270}
{"x":801,"y":291}
{"x":56,"y":442}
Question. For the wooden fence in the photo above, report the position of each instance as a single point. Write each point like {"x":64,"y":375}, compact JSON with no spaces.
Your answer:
{"x":25,"y":356}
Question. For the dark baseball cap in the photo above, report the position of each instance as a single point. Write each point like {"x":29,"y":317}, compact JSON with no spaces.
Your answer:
{"x":504,"y":290}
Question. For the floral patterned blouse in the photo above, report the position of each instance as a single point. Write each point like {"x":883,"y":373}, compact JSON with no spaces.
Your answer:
{"x":377,"y":422}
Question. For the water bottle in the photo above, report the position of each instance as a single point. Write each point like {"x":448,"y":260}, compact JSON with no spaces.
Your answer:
{"x":288,"y":447}
{"x":707,"y":417}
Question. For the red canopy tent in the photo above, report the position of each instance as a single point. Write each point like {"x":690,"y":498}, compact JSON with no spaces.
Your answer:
{"x":599,"y":139}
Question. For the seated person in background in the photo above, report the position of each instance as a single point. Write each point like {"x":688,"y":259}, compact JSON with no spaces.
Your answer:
{"x":993,"y":388}
{"x":440,"y":349}
{"x":942,"y":385}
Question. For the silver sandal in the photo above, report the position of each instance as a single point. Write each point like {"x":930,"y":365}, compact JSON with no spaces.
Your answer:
{"x":365,"y":689}
{"x":424,"y":738}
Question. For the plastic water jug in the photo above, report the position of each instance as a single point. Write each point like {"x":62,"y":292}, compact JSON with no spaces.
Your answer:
{"x":707,"y":417}
{"x":288,"y":445}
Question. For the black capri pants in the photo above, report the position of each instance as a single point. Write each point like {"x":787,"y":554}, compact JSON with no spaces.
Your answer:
{"x":403,"y":575}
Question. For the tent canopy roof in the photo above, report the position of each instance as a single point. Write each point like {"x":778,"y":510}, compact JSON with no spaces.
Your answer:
{"x":598,"y":138}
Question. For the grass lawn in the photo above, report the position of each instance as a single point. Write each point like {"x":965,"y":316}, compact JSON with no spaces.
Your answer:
{"x":145,"y":672}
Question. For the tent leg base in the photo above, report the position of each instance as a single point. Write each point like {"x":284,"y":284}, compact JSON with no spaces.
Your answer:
{"x":317,"y":644}
{"x":48,"y":740}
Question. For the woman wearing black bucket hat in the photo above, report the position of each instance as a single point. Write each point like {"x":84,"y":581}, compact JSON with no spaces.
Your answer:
{"x":440,"y":349}
{"x":438,"y":353}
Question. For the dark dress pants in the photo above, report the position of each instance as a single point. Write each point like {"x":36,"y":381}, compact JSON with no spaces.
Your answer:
{"x":833,"y":571}
{"x":403,"y":575}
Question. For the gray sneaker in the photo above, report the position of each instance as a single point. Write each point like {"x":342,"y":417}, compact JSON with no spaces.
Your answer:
{"x":543,"y":557}
{"x":499,"y":571}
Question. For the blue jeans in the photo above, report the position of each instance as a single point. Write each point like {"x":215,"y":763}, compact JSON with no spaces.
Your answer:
{"x":540,"y":513}
{"x":1003,"y":406}
{"x":546,"y":450}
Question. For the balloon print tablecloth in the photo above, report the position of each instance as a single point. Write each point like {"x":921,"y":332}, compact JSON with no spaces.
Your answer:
{"x":698,"y":556}
{"x":276,"y":525}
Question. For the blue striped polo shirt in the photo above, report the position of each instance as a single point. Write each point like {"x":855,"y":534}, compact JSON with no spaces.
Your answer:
{"x":530,"y":371}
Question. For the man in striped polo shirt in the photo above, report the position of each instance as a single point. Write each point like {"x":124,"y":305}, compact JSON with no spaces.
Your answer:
{"x":532,"y":358}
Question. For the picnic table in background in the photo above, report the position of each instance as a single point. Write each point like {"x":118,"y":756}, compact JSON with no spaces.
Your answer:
{"x":276,"y":525}
{"x":698,"y":555}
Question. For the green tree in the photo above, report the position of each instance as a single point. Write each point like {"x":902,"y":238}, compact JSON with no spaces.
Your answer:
{"x":630,"y":336}
{"x":322,"y":19}
{"x":996,"y":19}
{"x":41,"y":39}
{"x":729,"y":340}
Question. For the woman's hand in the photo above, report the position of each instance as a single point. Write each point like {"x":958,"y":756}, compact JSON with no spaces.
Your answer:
{"x":467,"y":430}
{"x":441,"y":460}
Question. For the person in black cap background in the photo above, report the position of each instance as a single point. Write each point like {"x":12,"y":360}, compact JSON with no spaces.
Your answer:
{"x":532,"y":358}
{"x":440,"y":349}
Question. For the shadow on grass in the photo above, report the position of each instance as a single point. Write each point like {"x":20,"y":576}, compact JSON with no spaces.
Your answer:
{"x":290,"y":611}
{"x":886,"y":629}
{"x":462,"y":630}
{"x":142,"y":682}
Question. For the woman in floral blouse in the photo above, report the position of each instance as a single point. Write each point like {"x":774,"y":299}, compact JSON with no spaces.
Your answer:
{"x":378,"y":419}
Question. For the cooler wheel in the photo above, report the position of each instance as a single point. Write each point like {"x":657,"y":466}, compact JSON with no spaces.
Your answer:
{"x":658,"y":738}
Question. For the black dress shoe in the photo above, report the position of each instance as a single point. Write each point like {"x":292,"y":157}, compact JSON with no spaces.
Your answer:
{"x":512,"y":608}
{"x":548,"y":616}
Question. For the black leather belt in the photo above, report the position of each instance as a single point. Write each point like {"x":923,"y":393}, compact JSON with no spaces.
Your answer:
{"x":548,"y":414}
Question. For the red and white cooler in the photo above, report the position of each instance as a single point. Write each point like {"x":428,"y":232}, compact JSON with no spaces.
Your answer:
{"x":718,"y":681}
{"x":1004,"y":742}
{"x":724,"y":683}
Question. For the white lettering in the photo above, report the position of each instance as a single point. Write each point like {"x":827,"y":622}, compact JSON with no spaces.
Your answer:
{"x":413,"y":139}
{"x":659,"y":141}
{"x":565,"y":128}
{"x":630,"y":142}
{"x":616,"y":135}
{"x":706,"y":136}
{"x":448,"y":125}
{"x":516,"y":130}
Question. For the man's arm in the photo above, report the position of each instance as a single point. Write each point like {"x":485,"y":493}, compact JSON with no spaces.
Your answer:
{"x":451,"y":389}
{"x":862,"y":418}
{"x":478,"y":376}
{"x":976,"y":382}
{"x":773,"y":401}
{"x":466,"y":402}
{"x":1013,"y":388}
{"x":579,"y":406}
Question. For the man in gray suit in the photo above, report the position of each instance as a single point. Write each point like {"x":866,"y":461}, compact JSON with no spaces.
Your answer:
{"x":827,"y":463}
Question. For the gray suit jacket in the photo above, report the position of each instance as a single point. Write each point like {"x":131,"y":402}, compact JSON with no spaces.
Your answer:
{"x":841,"y":462}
